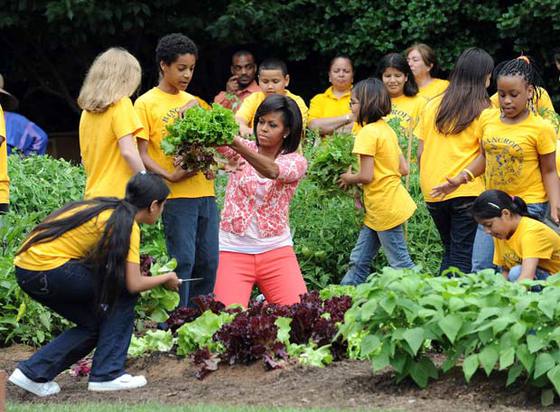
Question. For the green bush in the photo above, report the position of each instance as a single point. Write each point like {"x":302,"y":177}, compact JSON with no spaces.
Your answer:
{"x":479,"y":321}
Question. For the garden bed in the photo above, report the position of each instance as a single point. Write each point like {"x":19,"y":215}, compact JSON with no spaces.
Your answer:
{"x":345,"y":384}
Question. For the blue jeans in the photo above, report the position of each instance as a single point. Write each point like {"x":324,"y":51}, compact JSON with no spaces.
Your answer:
{"x":456,"y":228}
{"x":515,"y":272}
{"x":366,"y":248}
{"x":483,"y":248}
{"x":191,"y":233}
{"x":69,"y":291}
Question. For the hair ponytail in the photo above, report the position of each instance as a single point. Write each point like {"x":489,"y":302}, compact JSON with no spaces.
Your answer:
{"x":108,"y":257}
{"x":491,"y":203}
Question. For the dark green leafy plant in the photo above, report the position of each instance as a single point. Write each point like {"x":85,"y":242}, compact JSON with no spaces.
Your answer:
{"x":480,"y":321}
{"x":331,"y":158}
{"x":192,"y":136}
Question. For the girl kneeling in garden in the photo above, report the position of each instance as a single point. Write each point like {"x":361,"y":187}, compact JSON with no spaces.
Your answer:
{"x":82,"y":261}
{"x":387,"y":203}
{"x":523,"y":247}
{"x":255,"y":240}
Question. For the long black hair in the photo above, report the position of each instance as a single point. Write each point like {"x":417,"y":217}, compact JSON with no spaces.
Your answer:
{"x":108,"y":257}
{"x":490,"y":204}
{"x":291,"y":116}
{"x":466,"y":96}
{"x":397,"y":61}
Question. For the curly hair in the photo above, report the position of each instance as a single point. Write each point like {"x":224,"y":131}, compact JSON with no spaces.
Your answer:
{"x":173,"y":45}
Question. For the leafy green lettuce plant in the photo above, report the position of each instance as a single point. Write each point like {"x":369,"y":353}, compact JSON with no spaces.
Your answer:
{"x":192,"y":136}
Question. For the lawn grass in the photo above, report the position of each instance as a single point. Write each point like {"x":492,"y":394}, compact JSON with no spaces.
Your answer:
{"x":151,"y":407}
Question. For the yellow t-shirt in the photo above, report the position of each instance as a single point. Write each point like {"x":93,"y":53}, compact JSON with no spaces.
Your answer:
{"x":4,"y":179}
{"x":203,"y":103}
{"x":106,"y":169}
{"x":328,"y":105}
{"x":74,"y":244}
{"x":407,"y":110}
{"x":512,"y":154}
{"x":446,"y":155}
{"x":433,"y":89}
{"x":387,"y":203}
{"x":251,"y":104}
{"x":156,"y":109}
{"x":531,"y":239}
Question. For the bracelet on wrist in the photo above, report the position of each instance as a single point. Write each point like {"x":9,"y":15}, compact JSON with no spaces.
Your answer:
{"x":469,"y":175}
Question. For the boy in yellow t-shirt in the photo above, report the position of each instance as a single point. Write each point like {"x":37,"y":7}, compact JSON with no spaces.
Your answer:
{"x":524,"y":248}
{"x":4,"y":180}
{"x":273,"y":78}
{"x":190,"y":217}
{"x":387,"y":203}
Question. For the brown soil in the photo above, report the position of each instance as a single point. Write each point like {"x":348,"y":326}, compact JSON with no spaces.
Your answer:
{"x":347,"y":384}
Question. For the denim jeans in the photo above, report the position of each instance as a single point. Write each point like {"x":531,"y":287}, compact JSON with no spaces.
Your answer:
{"x":456,"y":228}
{"x":69,"y":291}
{"x":191,"y":233}
{"x":366,"y":248}
{"x":483,"y":248}
{"x":515,"y":272}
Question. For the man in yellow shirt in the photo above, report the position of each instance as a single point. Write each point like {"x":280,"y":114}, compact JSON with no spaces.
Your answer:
{"x":190,"y":217}
{"x":273,"y":79}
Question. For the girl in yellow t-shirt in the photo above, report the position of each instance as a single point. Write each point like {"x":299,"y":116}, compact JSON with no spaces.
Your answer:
{"x":517,"y":153}
{"x":422,"y":61}
{"x":387,"y":203}
{"x":109,"y":124}
{"x":449,"y":134}
{"x":524,"y":248}
{"x":83,"y":262}
{"x":406,"y":104}
{"x":330,"y":111}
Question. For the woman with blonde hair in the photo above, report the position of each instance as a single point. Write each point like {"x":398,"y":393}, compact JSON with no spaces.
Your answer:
{"x":422,"y":61}
{"x":109,"y":123}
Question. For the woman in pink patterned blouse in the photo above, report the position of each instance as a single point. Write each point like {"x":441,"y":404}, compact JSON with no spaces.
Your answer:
{"x":255,"y":240}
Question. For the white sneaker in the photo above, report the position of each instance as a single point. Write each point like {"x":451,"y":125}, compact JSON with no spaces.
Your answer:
{"x":40,"y":389}
{"x":125,"y":381}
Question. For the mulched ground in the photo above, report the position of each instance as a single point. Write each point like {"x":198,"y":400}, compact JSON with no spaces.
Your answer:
{"x":347,"y":384}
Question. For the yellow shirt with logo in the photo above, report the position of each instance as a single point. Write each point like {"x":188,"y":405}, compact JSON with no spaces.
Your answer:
{"x":4,"y":179}
{"x":156,"y":109}
{"x":531,"y":239}
{"x":74,"y":244}
{"x":251,"y":104}
{"x":386,"y":201}
{"x":512,"y":154}
{"x":106,"y":169}
{"x":446,"y":155}
{"x":407,"y":110}
{"x":328,"y":105}
{"x":433,"y":89}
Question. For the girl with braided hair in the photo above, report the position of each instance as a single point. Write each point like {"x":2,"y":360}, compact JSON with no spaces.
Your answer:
{"x":524,"y":248}
{"x":541,"y":103}
{"x":517,"y":153}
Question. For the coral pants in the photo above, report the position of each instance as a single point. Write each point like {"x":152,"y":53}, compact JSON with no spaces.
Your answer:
{"x":276,"y":273}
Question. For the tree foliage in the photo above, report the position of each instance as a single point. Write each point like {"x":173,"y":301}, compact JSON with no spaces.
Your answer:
{"x":48,"y":44}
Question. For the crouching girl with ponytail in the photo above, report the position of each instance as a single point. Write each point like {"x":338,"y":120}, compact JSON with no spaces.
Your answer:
{"x":82,"y":261}
{"x":524,"y":247}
